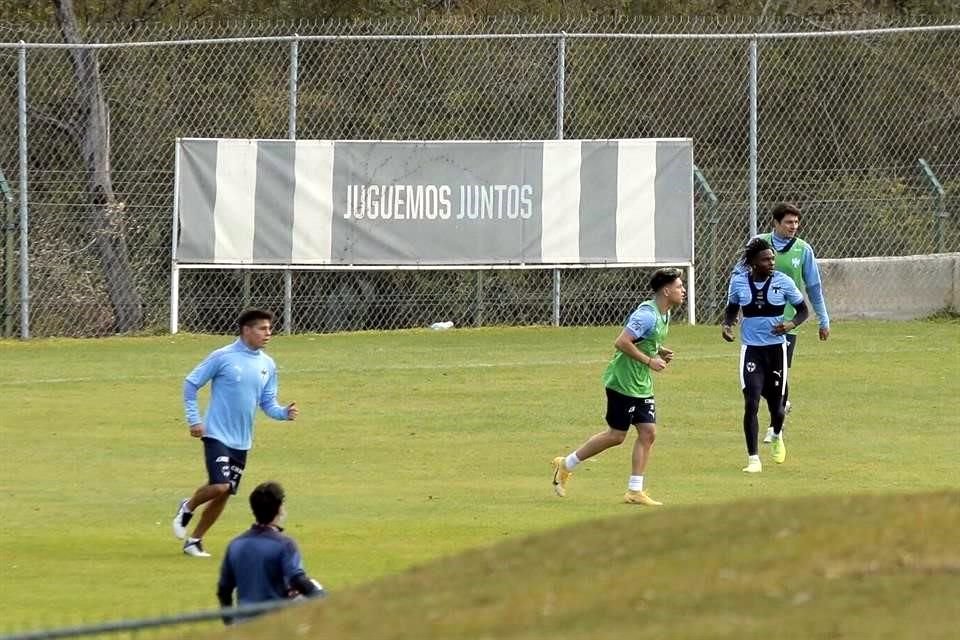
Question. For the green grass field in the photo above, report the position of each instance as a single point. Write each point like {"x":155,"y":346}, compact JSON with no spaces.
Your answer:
{"x":415,"y":446}
{"x":853,"y":567}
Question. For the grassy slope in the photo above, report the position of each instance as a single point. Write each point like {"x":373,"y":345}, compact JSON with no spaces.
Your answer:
{"x":418,"y":445}
{"x":852,"y":567}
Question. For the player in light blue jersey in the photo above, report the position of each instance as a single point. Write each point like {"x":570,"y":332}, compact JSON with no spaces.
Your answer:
{"x":795,"y":258}
{"x":242,"y":378}
{"x":762,"y":295}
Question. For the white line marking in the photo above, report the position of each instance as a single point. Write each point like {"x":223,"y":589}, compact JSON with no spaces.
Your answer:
{"x":426,"y":367}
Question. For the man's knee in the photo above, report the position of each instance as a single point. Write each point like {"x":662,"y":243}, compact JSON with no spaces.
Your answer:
{"x":647,"y":433}
{"x":616,"y":436}
{"x":220,"y":491}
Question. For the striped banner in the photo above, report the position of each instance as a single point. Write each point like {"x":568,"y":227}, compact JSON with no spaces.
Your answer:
{"x":385,"y":203}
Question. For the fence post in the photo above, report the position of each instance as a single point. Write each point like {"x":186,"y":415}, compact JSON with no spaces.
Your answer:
{"x":292,"y":134}
{"x":940,"y":210}
{"x":24,"y":215}
{"x":711,"y":239}
{"x":292,"y":97}
{"x":691,"y":295}
{"x":287,"y":301}
{"x":9,"y":226}
{"x":561,"y":103}
{"x":561,"y":81}
{"x":753,"y":137}
{"x":556,"y":297}
{"x":174,"y":236}
{"x":478,"y":316}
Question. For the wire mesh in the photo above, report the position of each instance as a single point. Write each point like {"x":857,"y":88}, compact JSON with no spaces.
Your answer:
{"x":328,"y":301}
{"x":843,"y":121}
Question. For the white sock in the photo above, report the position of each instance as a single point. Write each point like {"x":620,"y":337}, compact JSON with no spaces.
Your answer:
{"x":191,"y":541}
{"x":753,"y":458}
{"x":636,"y":483}
{"x":776,"y":436}
{"x":571,"y":461}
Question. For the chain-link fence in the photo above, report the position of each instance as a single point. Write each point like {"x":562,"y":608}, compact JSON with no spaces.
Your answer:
{"x":843,"y":120}
{"x":206,"y":622}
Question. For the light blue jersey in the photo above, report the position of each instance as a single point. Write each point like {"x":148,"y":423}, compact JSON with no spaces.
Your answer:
{"x":243,"y":378}
{"x":762,"y":305}
{"x":641,"y":322}
{"x":802,"y":270}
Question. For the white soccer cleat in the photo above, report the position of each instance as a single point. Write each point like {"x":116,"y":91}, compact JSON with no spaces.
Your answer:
{"x":194,"y":547}
{"x":753,"y":466}
{"x":181,"y":520}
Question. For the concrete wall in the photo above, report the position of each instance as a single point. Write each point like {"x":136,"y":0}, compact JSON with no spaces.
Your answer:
{"x":902,"y":288}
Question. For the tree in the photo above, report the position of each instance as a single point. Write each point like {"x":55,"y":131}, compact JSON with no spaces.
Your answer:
{"x":92,"y":127}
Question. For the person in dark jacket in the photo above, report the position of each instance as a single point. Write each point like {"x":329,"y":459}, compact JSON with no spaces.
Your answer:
{"x":264,"y":564}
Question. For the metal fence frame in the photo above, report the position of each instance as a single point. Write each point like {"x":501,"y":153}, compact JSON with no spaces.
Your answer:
{"x":561,"y":39}
{"x":120,"y":626}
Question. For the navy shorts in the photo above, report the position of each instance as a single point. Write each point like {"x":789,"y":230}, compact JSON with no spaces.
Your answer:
{"x":224,"y":464}
{"x":623,"y":411}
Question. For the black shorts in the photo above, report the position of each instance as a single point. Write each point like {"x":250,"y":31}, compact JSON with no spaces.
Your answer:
{"x":623,"y":411}
{"x":762,"y":370}
{"x":224,"y":464}
{"x":791,"y":345}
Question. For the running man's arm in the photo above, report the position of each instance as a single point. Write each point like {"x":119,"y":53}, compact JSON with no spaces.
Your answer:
{"x":201,"y":375}
{"x":295,"y":575}
{"x":639,"y":325}
{"x":811,"y":276}
{"x":306,"y":586}
{"x":269,"y":404}
{"x":794,"y":297}
{"x":190,"y":405}
{"x":731,"y":311}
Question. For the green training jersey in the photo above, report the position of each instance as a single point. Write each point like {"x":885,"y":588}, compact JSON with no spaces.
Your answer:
{"x":631,"y":377}
{"x":790,"y":262}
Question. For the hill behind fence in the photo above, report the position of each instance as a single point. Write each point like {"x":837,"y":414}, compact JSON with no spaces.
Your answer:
{"x":860,"y":128}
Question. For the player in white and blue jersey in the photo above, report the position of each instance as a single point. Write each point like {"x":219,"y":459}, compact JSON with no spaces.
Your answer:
{"x":796,"y":259}
{"x":242,"y":378}
{"x":762,"y":295}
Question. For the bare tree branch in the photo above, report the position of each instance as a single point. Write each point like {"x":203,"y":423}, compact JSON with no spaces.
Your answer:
{"x":94,"y":143}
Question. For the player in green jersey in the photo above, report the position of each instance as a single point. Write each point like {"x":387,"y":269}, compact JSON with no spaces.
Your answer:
{"x":629,"y":387}
{"x":795,"y":258}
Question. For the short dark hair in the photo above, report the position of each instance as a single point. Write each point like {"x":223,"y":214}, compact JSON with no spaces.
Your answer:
{"x":252,"y":315}
{"x":663,"y":277}
{"x":755,"y":247}
{"x":783,"y":209}
{"x":265,"y":501}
